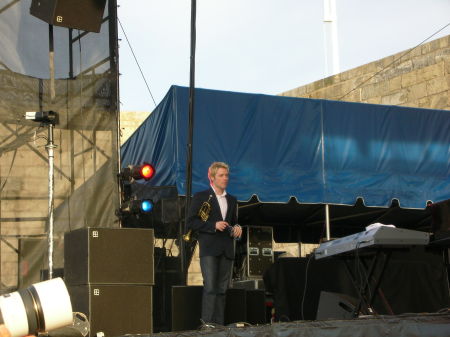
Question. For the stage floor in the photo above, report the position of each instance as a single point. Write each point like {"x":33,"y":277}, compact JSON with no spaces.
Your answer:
{"x":420,"y":325}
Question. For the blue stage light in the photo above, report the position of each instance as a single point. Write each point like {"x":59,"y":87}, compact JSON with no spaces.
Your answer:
{"x":146,"y":206}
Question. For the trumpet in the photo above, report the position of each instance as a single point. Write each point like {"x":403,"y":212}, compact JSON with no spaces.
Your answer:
{"x":188,"y":236}
{"x":203,"y":213}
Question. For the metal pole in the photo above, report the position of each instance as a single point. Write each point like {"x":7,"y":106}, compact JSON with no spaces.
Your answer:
{"x":191,"y":108}
{"x":50,"y":146}
{"x":190,"y":131}
{"x":327,"y":221}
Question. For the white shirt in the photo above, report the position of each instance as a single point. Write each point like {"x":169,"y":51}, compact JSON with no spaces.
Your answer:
{"x":222,"y":202}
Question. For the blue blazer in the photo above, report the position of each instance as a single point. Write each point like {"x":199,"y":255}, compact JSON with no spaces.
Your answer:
{"x":212,"y":242}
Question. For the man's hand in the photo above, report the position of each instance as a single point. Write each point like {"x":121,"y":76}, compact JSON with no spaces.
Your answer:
{"x":221,"y":225}
{"x":237,"y":231}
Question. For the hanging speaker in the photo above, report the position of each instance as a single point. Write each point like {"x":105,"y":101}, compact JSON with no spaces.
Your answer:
{"x":86,"y":15}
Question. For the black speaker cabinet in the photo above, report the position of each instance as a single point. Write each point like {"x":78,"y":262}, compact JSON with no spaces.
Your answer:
{"x":79,"y":14}
{"x":335,"y":306}
{"x":109,"y":256}
{"x":256,"y":306}
{"x":186,"y":307}
{"x":235,"y":306}
{"x":114,"y":310}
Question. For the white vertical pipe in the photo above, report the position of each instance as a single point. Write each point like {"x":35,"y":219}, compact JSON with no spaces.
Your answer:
{"x":50,"y":147}
{"x":327,"y":222}
{"x":331,"y":37}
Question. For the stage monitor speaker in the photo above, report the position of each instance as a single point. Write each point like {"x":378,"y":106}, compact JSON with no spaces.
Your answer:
{"x":235,"y":306}
{"x":335,"y":306}
{"x":109,"y":256}
{"x":114,"y":310}
{"x":256,"y":306}
{"x":86,"y":15}
{"x":186,"y":307}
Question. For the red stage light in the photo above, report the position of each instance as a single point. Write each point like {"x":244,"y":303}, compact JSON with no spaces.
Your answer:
{"x":147,"y":171}
{"x":137,"y":172}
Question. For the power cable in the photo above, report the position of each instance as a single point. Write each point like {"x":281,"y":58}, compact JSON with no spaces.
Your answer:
{"x":137,"y":62}
{"x":390,"y":64}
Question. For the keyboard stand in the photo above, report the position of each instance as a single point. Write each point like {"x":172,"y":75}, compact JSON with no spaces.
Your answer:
{"x":372,"y":275}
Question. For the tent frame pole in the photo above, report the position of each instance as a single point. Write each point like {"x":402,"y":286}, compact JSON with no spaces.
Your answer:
{"x":327,"y":222}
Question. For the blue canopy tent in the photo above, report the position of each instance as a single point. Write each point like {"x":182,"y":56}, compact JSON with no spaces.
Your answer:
{"x":312,"y":152}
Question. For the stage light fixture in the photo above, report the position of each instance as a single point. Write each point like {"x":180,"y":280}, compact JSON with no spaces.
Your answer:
{"x":137,"y":172}
{"x":136,"y":207}
{"x":46,"y":117}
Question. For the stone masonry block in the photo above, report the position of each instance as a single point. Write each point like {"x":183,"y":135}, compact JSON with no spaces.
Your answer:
{"x":423,"y":61}
{"x":373,"y":90}
{"x":442,"y":55}
{"x":439,"y":101}
{"x":424,"y":102}
{"x":374,"y":100}
{"x":425,"y":48}
{"x":395,"y":83}
{"x":409,"y":79}
{"x":430,"y":72}
{"x":434,"y":45}
{"x":396,"y":98}
{"x":413,"y":52}
{"x":299,"y":92}
{"x":398,"y":69}
{"x":417,"y":91}
{"x":436,"y":85}
{"x":444,"y":41}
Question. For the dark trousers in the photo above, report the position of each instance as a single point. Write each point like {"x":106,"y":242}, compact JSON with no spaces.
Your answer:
{"x":216,"y":272}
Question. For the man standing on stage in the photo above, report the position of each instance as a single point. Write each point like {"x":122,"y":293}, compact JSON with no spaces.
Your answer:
{"x":213,"y":214}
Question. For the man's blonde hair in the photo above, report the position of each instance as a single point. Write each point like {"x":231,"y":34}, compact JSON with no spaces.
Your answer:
{"x":215,"y":166}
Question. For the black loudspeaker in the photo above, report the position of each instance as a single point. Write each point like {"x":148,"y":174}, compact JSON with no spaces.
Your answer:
{"x":114,"y":310}
{"x":440,"y":214}
{"x":186,"y":307}
{"x":167,"y":274}
{"x":109,"y":256}
{"x":167,"y":211}
{"x":256,"y":306}
{"x":79,"y":14}
{"x":235,"y":306}
{"x":335,"y":306}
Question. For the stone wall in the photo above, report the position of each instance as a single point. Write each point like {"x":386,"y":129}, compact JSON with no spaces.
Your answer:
{"x":418,"y":77}
{"x":129,"y":122}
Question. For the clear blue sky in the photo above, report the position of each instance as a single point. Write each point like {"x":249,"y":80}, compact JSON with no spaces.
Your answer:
{"x":260,"y":46}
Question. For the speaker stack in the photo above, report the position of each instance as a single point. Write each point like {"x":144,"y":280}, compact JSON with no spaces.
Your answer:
{"x":86,"y":15}
{"x":109,"y":274}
